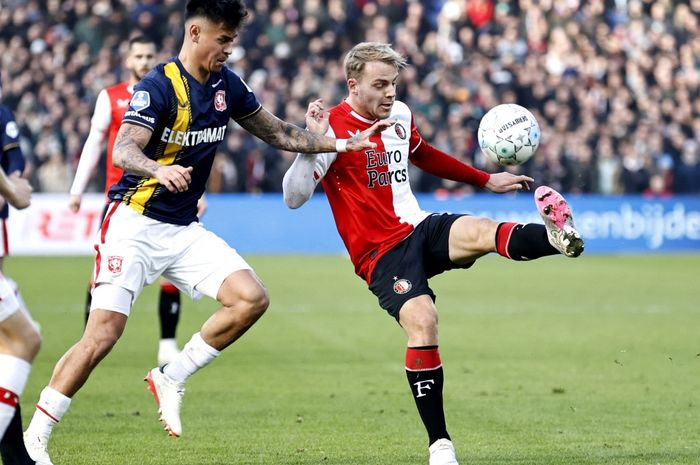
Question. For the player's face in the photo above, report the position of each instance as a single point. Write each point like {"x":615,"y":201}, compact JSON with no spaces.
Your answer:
{"x":374,"y":92}
{"x":214,"y":45}
{"x":141,"y":59}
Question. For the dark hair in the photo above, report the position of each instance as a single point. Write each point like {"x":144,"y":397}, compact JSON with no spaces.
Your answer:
{"x":140,"y":39}
{"x":231,"y":13}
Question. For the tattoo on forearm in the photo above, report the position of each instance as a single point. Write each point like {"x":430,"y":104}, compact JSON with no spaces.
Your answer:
{"x":128,"y":152}
{"x":286,"y":136}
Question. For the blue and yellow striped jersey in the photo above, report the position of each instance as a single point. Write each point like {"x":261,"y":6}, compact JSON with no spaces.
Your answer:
{"x":189,"y":121}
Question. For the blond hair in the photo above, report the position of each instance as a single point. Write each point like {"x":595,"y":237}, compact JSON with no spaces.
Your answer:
{"x":366,"y":52}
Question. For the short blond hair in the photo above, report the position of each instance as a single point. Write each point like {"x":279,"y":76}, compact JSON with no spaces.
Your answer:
{"x":366,"y":52}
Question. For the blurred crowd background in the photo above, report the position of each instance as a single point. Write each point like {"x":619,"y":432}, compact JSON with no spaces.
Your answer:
{"x":615,"y":84}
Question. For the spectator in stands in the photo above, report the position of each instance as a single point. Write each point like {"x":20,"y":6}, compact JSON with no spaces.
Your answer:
{"x":618,"y":71}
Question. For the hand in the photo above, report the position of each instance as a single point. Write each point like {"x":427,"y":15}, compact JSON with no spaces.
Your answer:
{"x":201,"y":206}
{"x":508,"y":182}
{"x":175,"y":178}
{"x":21,"y":192}
{"x":361,"y":141}
{"x":74,"y":203}
{"x":316,"y":118}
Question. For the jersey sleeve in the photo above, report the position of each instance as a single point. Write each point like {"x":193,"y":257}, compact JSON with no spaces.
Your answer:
{"x":148,"y":103}
{"x":244,"y":103}
{"x":303,"y":176}
{"x":99,"y":127}
{"x":9,"y":138}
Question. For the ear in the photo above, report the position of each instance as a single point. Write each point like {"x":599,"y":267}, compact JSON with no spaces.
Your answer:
{"x":194,"y":31}
{"x":352,"y":85}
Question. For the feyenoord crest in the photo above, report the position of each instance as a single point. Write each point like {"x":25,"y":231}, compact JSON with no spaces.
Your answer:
{"x":400,"y":131}
{"x":114,"y":264}
{"x":402,"y":286}
{"x":220,"y":100}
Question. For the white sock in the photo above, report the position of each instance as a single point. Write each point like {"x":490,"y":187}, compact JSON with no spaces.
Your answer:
{"x":195,"y":355}
{"x":168,"y":344}
{"x":13,"y":377}
{"x":50,"y":409}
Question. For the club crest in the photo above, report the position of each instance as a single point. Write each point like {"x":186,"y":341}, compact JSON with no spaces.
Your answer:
{"x":400,"y":131}
{"x":114,"y":264}
{"x":402,"y":286}
{"x":220,"y":100}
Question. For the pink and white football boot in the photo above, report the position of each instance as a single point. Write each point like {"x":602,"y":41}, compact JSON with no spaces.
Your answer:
{"x":557,"y":218}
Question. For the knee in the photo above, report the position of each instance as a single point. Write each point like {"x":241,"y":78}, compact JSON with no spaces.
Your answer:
{"x":251,"y":301}
{"x":425,"y":323}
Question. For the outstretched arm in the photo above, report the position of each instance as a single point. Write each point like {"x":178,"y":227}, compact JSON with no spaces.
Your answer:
{"x":437,"y":162}
{"x":128,"y":155}
{"x":291,"y":138}
{"x":301,"y":178}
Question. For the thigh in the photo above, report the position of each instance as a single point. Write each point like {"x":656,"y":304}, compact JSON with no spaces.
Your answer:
{"x":437,"y":232}
{"x":205,"y":264}
{"x":132,"y":249}
{"x":399,"y":276}
{"x":471,"y":237}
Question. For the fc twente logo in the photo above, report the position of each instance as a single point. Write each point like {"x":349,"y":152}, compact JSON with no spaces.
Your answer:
{"x":220,"y":100}
{"x":114,"y":264}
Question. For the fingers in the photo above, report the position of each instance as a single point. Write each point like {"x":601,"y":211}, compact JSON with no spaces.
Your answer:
{"x":315,"y":109}
{"x":175,"y":178}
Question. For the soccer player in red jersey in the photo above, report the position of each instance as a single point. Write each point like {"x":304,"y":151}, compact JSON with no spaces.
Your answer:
{"x":177,"y":118}
{"x":111,"y":105}
{"x":396,"y":246}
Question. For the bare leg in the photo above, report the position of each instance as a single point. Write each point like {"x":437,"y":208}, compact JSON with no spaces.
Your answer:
{"x":103,"y":330}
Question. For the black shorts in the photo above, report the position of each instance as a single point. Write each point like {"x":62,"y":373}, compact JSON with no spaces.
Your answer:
{"x":403,"y":272}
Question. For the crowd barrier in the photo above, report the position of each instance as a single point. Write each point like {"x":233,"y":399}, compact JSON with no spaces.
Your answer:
{"x":262,"y":224}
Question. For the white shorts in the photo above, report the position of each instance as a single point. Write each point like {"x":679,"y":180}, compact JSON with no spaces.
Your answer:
{"x":133,"y":250}
{"x":8,"y":301}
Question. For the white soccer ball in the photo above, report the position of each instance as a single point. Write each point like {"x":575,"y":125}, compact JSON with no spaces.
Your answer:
{"x":509,"y":134}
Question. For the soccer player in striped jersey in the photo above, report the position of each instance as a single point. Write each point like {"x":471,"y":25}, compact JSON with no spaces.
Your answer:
{"x":110,"y":107}
{"x":177,"y":117}
{"x":396,"y":246}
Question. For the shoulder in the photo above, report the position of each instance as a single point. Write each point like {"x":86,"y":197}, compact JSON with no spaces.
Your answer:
{"x":401,"y":110}
{"x":234,"y":81}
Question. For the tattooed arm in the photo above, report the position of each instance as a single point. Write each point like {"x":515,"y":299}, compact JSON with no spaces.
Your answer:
{"x":128,"y":155}
{"x":291,"y":138}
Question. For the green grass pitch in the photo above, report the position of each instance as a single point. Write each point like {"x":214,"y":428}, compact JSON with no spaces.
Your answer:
{"x":588,"y":361}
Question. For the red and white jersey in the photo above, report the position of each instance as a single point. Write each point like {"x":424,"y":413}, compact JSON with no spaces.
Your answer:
{"x":111,"y":105}
{"x":369,"y":191}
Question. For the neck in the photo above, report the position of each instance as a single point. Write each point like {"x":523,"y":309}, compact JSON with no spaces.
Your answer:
{"x":354,"y":104}
{"x":191,"y":66}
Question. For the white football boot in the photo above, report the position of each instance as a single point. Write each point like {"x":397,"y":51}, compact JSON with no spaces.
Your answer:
{"x":37,"y":448}
{"x":168,"y":395}
{"x":556,"y":214}
{"x":442,"y":452}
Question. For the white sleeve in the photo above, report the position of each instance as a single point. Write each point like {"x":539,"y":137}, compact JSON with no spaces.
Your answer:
{"x":101,"y":119}
{"x":303,"y":176}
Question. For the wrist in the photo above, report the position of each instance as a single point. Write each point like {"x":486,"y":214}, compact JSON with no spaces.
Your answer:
{"x":341,"y":145}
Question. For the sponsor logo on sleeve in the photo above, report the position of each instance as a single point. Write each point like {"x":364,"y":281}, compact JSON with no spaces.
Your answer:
{"x":12,"y":130}
{"x":140,"y":100}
